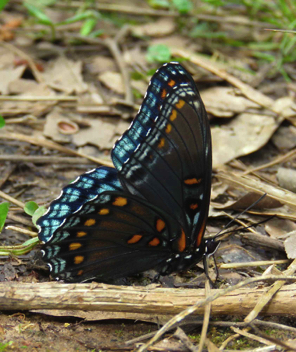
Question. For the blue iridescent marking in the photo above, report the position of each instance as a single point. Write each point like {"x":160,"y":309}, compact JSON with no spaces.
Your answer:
{"x":149,"y":111}
{"x":74,"y":196}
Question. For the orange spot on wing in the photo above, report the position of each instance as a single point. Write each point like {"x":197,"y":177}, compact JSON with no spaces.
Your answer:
{"x":134,"y":239}
{"x":74,"y":245}
{"x":201,"y":233}
{"x":104,"y":211}
{"x":193,"y":206}
{"x":173,"y":115}
{"x":155,"y":242}
{"x":78,"y":259}
{"x":180,"y":104}
{"x":161,"y":143}
{"x":171,"y":83}
{"x":90,"y":222}
{"x":120,"y":202}
{"x":168,"y":128}
{"x":182,"y":242}
{"x":80,"y":272}
{"x":192,"y":181}
{"x":160,"y":225}
{"x":81,"y":233}
{"x":163,"y":93}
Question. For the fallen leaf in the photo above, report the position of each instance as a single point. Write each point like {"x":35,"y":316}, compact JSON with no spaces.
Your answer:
{"x":8,"y":75}
{"x":279,"y":228}
{"x":223,"y":102}
{"x":113,"y":80}
{"x":159,"y":28}
{"x":99,"y":64}
{"x":36,"y":108}
{"x":285,"y":137}
{"x":290,"y":245}
{"x":101,"y":132}
{"x":65,"y":75}
{"x":244,"y":135}
{"x":287,"y":178}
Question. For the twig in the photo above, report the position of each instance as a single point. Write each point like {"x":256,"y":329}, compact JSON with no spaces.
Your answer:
{"x":12,"y":200}
{"x":36,"y":159}
{"x":278,"y":160}
{"x":20,"y":230}
{"x":197,"y":305}
{"x":51,"y":145}
{"x":37,"y":98}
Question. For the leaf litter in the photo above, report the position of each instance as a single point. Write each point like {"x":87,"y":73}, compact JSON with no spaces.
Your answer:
{"x":77,"y":87}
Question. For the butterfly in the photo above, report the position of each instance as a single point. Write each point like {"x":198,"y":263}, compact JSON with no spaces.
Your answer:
{"x":150,"y":211}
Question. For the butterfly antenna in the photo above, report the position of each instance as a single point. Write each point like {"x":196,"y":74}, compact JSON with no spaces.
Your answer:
{"x":240,"y":214}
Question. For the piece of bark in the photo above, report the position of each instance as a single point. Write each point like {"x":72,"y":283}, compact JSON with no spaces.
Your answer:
{"x":148,"y":300}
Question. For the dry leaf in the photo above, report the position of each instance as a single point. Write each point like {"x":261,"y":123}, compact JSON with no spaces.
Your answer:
{"x":36,"y":108}
{"x":284,"y":137}
{"x":290,"y":245}
{"x":244,"y":135}
{"x":8,"y":75}
{"x":101,"y":132}
{"x":287,"y":178}
{"x":279,"y":228}
{"x":113,"y":81}
{"x":222,"y":102}
{"x":65,"y":75}
{"x":99,"y":64}
{"x":159,"y":28}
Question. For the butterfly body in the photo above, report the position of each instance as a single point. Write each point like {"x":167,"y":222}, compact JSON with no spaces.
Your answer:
{"x":151,"y":210}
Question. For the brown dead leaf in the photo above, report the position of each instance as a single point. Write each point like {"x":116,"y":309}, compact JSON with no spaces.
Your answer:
{"x":287,"y":178}
{"x":223,"y":102}
{"x":101,"y":132}
{"x":247,"y":200}
{"x":36,"y":108}
{"x":279,"y":228}
{"x":100,"y":64}
{"x":65,"y":75}
{"x":8,"y":75}
{"x":159,"y":28}
{"x":244,"y":135}
{"x":113,"y":80}
{"x":290,"y":245}
{"x":285,"y":137}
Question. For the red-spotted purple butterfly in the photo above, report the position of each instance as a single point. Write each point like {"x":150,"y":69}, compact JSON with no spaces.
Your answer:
{"x":150,"y":211}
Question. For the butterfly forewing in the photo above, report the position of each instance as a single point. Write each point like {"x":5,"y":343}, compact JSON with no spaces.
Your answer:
{"x":171,"y":166}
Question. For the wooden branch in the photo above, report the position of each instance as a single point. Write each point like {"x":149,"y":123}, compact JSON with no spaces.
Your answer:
{"x":154,"y":300}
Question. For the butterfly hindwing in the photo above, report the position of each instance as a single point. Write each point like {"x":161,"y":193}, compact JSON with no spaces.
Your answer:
{"x":111,"y":236}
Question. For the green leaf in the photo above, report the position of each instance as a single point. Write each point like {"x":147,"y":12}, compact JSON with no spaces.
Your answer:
{"x":30,"y":208}
{"x":159,"y":3}
{"x":38,"y":213}
{"x":2,"y":122}
{"x":2,"y":4}
{"x":81,"y":17}
{"x":37,"y":12}
{"x":97,"y":33}
{"x":3,"y":214}
{"x":183,"y":6}
{"x":88,"y":26}
{"x":158,"y":53}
